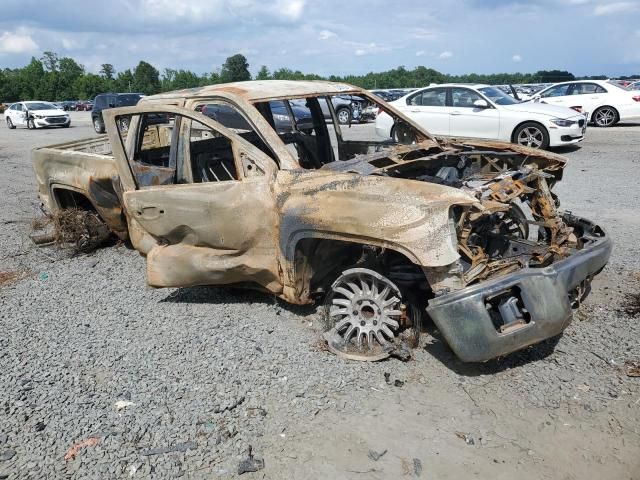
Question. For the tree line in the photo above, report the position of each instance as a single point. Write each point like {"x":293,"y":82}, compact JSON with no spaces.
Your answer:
{"x":56,"y":78}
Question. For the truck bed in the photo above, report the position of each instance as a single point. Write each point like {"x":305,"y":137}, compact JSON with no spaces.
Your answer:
{"x":79,"y":173}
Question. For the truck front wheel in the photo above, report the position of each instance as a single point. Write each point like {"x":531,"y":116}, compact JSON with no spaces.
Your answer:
{"x":366,"y":312}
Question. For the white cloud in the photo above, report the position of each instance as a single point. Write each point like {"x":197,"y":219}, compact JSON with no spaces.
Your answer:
{"x":326,"y":35}
{"x":367,"y":48}
{"x":17,"y":42}
{"x":72,"y":44}
{"x":445,"y":55}
{"x":291,"y":9}
{"x":206,"y":12}
{"x":516,"y":58}
{"x":615,"y":7}
{"x":420,"y":53}
{"x":423,"y":33}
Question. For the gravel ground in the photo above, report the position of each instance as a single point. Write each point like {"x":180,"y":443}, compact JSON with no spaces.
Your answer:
{"x":170,"y":383}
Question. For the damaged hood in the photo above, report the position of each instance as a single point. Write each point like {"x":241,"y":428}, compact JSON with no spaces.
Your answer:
{"x":408,"y":216}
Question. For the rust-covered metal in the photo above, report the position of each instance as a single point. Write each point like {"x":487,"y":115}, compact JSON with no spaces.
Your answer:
{"x":436,"y":215}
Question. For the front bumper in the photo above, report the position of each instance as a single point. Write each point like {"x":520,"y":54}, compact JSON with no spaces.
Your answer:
{"x":52,"y":122}
{"x":464,"y":318}
{"x":566,"y":135}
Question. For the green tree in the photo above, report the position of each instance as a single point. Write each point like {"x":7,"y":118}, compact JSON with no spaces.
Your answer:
{"x":89,"y":85}
{"x":235,"y":69}
{"x":146,"y":79}
{"x":30,"y":80}
{"x":107,"y":71}
{"x":553,"y":76}
{"x":124,"y":81}
{"x":70,"y":72}
{"x":50,"y":61}
{"x":263,"y":73}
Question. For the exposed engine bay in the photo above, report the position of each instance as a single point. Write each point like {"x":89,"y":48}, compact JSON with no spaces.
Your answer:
{"x":516,"y":223}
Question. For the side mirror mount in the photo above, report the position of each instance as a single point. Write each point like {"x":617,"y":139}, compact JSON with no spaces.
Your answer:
{"x":480,"y":103}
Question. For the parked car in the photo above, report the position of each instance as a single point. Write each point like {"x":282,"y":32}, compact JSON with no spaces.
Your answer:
{"x":634,"y":86}
{"x":379,"y":232}
{"x":34,"y":114}
{"x":104,"y":101}
{"x":3,"y":107}
{"x":388,"y":95}
{"x":69,"y":105}
{"x":350,"y":108}
{"x":482,"y":111}
{"x":84,"y":106}
{"x":606,"y":103}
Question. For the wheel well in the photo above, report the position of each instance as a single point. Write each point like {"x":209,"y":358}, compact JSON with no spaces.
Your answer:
{"x":66,"y":198}
{"x":605,"y":106}
{"x":318,"y":262}
{"x":513,"y":134}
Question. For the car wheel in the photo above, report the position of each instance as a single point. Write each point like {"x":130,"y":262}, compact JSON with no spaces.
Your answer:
{"x":98,"y":125}
{"x":123,"y":124}
{"x":344,"y":116}
{"x":365,"y":312}
{"x":605,"y":117}
{"x":531,"y":134}
{"x":10,"y":124}
{"x":393,"y":134}
{"x":31,"y":125}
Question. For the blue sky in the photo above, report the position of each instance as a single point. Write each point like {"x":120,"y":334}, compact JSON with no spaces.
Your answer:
{"x":324,"y":37}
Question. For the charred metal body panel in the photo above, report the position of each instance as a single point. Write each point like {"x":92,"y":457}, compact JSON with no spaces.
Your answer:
{"x":472,"y":227}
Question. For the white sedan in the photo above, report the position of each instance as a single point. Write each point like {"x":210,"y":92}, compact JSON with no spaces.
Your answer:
{"x":482,"y":111}
{"x":607,"y":102}
{"x":36,"y":114}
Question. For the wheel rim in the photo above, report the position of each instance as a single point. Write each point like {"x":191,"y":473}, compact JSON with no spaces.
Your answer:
{"x":9,"y":124}
{"x":531,"y":137}
{"x":364,"y":309}
{"x":124,"y":125}
{"x":605,"y":117}
{"x":343,"y":116}
{"x":96,"y":125}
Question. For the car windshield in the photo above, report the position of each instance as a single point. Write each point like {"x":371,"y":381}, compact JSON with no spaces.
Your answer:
{"x":41,"y":106}
{"x":128,"y":100}
{"x":498,"y":96}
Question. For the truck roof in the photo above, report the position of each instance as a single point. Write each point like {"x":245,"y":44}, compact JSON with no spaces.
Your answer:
{"x":257,"y":90}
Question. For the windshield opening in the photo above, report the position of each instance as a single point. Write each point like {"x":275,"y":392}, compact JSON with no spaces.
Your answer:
{"x":323,"y":129}
{"x":497,"y":96}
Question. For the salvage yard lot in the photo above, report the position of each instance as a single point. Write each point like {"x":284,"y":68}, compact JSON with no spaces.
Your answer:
{"x":181,"y":381}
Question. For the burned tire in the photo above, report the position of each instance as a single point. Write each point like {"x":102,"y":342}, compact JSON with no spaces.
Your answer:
{"x":368,"y":317}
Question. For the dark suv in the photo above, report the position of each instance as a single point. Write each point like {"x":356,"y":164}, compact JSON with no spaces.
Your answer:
{"x":111,"y":100}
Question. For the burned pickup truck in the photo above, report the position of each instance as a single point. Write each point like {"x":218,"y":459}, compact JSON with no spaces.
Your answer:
{"x":386,"y":233}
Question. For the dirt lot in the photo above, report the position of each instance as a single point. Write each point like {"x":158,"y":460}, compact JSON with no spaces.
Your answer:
{"x":165,"y":383}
